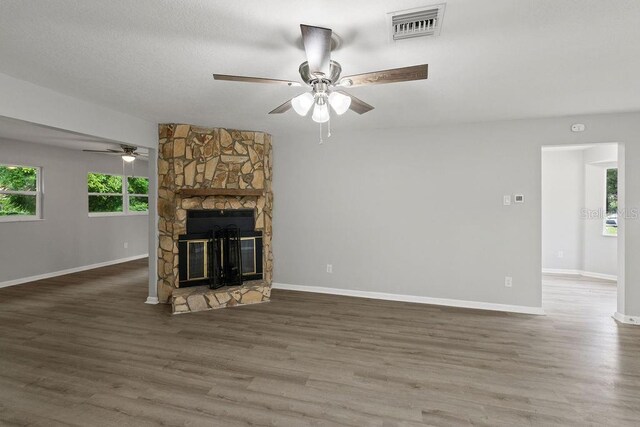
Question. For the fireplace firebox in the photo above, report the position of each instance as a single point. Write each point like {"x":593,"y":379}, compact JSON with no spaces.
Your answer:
{"x":221,"y":248}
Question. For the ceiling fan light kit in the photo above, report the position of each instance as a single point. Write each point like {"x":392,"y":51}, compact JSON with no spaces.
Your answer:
{"x":128,"y":158}
{"x":320,"y":109}
{"x":323,"y":75}
{"x":339,"y":102}
{"x":302,"y":103}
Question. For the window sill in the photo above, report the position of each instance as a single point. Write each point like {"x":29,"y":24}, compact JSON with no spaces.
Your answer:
{"x":20,"y":219}
{"x":116,"y":214}
{"x":609,"y":235}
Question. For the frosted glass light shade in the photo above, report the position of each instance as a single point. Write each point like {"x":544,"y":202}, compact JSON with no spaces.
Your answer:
{"x":339,"y":102}
{"x":302,"y":103}
{"x":320,"y":113}
{"x":127,"y":158}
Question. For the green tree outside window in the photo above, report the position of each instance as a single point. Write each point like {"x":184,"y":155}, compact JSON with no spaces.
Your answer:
{"x":107,"y":194}
{"x":18,"y":190}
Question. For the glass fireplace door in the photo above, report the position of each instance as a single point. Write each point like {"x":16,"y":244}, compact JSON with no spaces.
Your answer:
{"x":197,"y":261}
{"x":248,"y":250}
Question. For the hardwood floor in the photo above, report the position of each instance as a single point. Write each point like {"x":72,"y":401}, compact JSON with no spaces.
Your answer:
{"x":84,"y":350}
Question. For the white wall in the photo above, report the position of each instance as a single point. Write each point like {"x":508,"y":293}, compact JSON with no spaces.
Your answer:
{"x":562,"y":200}
{"x":413,"y":212}
{"x":67,"y":238}
{"x":419,"y":211}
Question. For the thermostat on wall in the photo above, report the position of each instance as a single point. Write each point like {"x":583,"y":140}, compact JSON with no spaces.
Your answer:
{"x":518,"y":198}
{"x":577,"y":127}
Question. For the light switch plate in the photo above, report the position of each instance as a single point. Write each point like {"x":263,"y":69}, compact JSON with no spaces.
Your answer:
{"x":506,"y":200}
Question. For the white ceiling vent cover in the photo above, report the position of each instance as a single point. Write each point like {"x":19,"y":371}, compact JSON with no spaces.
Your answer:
{"x":419,"y":22}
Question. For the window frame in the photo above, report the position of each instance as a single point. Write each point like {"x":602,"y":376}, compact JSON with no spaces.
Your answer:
{"x":606,"y":203}
{"x":129,"y":195}
{"x":37,"y":193}
{"x":124,"y":194}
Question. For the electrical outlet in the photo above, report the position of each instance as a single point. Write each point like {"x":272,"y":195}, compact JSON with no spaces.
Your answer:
{"x":126,"y":245}
{"x":329,"y":268}
{"x":508,"y":281}
{"x":560,"y":254}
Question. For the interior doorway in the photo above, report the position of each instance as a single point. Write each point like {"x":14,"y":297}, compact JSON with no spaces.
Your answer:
{"x":580,"y":210}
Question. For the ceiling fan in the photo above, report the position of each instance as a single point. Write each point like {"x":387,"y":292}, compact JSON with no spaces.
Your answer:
{"x":127,"y":152}
{"x":323,"y":76}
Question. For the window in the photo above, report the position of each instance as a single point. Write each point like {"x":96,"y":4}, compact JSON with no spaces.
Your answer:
{"x":138,"y":194}
{"x":611,"y":201}
{"x":113,"y":195}
{"x":20,"y":193}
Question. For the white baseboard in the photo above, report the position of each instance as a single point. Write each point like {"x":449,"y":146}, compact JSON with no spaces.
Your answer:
{"x":561,"y":271}
{"x":629,"y":320}
{"x":152,"y":300}
{"x":69,"y":271}
{"x":611,"y":277}
{"x":412,"y":298}
{"x":592,"y":274}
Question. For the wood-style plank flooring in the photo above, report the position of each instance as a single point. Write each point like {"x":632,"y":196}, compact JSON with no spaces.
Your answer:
{"x":84,"y":350}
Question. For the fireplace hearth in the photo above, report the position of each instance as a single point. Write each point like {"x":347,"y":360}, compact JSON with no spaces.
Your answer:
{"x":221,"y":248}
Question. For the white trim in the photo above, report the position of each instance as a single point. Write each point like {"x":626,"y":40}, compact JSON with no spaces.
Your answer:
{"x":152,"y":300}
{"x":583,"y":273}
{"x":414,"y":298}
{"x":69,"y":271}
{"x":20,"y":218}
{"x":561,"y":271}
{"x":628,"y":320}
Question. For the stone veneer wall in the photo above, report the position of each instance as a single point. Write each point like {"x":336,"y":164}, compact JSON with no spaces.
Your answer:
{"x":197,"y":157}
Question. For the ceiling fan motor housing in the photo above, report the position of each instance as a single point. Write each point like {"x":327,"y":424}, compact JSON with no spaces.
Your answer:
{"x":128,"y":149}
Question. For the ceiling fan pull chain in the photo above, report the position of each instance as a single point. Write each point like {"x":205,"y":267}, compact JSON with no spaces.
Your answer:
{"x":329,"y":126}
{"x":321,"y":141}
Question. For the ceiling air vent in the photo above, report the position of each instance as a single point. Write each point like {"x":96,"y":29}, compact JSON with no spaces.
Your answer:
{"x":419,"y":22}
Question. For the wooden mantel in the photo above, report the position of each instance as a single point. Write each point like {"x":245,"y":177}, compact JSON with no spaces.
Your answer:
{"x":203,"y":192}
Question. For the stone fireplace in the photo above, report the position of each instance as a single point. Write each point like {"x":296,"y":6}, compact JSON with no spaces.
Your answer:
{"x":211,"y":169}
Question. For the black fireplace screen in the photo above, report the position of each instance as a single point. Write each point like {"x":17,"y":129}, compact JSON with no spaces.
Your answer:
{"x":223,"y":255}
{"x":228,"y":272}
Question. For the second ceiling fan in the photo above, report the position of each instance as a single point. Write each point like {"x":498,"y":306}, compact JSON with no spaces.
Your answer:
{"x":323,"y":76}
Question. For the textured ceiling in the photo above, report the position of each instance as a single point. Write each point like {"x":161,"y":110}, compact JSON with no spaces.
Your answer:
{"x":495,"y":59}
